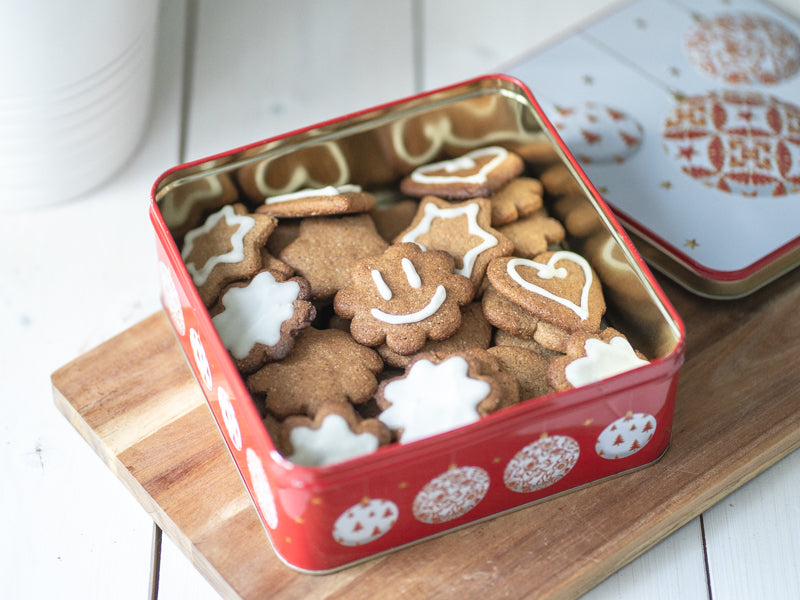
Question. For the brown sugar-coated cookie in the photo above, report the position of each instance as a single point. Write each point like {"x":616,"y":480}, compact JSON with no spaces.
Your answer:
{"x":590,"y":358}
{"x":559,"y":287}
{"x":479,"y":172}
{"x":330,"y":200}
{"x":324,"y":366}
{"x":227,"y":247}
{"x":258,"y":319}
{"x":462,"y":229}
{"x":327,"y":246}
{"x":403,"y":297}
{"x":519,"y":198}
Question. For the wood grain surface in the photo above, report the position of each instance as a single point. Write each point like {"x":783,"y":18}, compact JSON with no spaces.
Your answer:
{"x":136,"y":403}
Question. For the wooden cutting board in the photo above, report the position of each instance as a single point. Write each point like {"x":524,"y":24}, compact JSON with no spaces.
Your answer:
{"x":137,"y":404}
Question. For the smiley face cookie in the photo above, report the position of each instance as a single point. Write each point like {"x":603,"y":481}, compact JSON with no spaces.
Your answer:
{"x":227,"y":247}
{"x":403,"y":297}
{"x":477,"y":173}
{"x":461,"y":229}
{"x":558,"y":287}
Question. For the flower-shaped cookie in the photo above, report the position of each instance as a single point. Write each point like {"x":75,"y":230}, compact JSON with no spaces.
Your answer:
{"x":403,"y":297}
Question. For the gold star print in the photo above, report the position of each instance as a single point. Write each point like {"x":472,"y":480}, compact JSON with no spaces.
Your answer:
{"x":588,"y":79}
{"x":666,"y":185}
{"x":496,"y":459}
{"x":674,"y":71}
{"x":641,"y":23}
{"x":402,"y":485}
{"x":691,"y":244}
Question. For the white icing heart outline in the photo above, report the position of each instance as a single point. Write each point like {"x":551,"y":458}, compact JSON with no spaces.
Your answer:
{"x":462,"y":162}
{"x":581,"y":310}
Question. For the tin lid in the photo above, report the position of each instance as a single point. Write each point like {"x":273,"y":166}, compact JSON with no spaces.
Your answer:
{"x":697,"y":150}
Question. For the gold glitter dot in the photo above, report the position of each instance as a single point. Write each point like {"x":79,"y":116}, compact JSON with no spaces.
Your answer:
{"x":588,"y":422}
{"x":316,"y":500}
{"x":402,"y":485}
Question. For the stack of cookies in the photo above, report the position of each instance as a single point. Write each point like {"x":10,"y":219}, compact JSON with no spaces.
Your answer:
{"x":357,"y":326}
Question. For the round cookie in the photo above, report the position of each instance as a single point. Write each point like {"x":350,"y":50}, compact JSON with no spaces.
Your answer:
{"x":590,"y":358}
{"x":403,"y":297}
{"x":309,"y":202}
{"x":477,"y":173}
{"x":258,"y":319}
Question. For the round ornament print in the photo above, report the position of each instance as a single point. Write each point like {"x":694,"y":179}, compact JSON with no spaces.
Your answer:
{"x":365,"y":522}
{"x":229,"y":417}
{"x":596,"y":133}
{"x":171,"y":299}
{"x":200,"y":357}
{"x":450,"y":495}
{"x":741,"y":48}
{"x":264,"y":497}
{"x":541,"y":463}
{"x":626,"y":436}
{"x":737,"y":142}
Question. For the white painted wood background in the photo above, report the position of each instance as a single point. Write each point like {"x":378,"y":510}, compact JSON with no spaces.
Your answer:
{"x":77,"y":273}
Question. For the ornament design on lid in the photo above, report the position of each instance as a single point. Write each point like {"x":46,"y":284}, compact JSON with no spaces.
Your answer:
{"x":626,"y":436}
{"x":261,"y":488}
{"x":172,"y":300}
{"x":365,"y":522}
{"x":541,"y":463}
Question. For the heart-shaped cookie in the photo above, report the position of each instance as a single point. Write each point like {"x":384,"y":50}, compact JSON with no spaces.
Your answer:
{"x":558,"y":287}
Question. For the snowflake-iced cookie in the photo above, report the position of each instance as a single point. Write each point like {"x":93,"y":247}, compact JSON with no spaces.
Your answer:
{"x":327,"y":246}
{"x":258,"y":319}
{"x":324,"y":366}
{"x":558,"y":287}
{"x":463,"y":230}
{"x":403,"y":297}
{"x":477,"y":173}
{"x":225,"y":248}
{"x":336,"y":433}
{"x":312,"y":202}
{"x":435,"y":395}
{"x":590,"y":358}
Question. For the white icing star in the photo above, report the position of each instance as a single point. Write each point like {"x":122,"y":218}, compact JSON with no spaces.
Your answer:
{"x":433,"y":398}
{"x":333,"y":442}
{"x":255,"y":313}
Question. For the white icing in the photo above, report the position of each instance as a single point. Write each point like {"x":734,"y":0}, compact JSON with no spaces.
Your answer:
{"x":411,"y":273}
{"x":329,"y":190}
{"x":245,"y":224}
{"x":383,"y":289}
{"x":433,"y":398}
{"x":333,"y":442}
{"x":300,"y":176}
{"x":467,"y":161}
{"x":548,"y":271}
{"x":175,"y":213}
{"x":254,"y":314}
{"x":428,"y":310}
{"x":602,"y":360}
{"x":471,"y":211}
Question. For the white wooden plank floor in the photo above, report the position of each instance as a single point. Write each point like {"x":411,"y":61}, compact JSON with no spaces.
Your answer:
{"x":229,"y":74}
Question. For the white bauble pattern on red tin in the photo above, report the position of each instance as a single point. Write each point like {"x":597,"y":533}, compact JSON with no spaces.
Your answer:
{"x":365,"y":522}
{"x":625,"y":436}
{"x":541,"y":464}
{"x":200,"y":358}
{"x":450,"y":495}
{"x":171,"y":298}
{"x":229,"y":417}
{"x":736,"y":142}
{"x":261,"y":488}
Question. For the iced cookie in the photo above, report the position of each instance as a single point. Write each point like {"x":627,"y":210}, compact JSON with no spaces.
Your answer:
{"x":186,"y":206}
{"x":258,"y":319}
{"x":227,"y":247}
{"x":403,"y":297}
{"x":477,"y":173}
{"x":590,"y":358}
{"x":324,"y":366}
{"x":311,"y":202}
{"x":558,"y":287}
{"x":463,"y":230}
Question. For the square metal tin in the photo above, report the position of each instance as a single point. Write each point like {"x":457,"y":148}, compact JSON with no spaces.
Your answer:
{"x":323,"y":518}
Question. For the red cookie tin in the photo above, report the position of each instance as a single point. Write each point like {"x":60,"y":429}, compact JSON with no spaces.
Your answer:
{"x":320,"y":519}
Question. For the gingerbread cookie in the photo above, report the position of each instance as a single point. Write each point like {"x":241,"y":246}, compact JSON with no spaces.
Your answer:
{"x":507,"y":315}
{"x":324,"y":366}
{"x":475,"y":332}
{"x":551,"y":336}
{"x":227,"y":247}
{"x":327,"y":246}
{"x":558,"y":287}
{"x":529,"y":369}
{"x":330,"y":200}
{"x":463,"y":230}
{"x":503,"y":338}
{"x":480,"y":172}
{"x":258,"y":319}
{"x":435,"y":395}
{"x":392,"y":219}
{"x":268,"y":261}
{"x":519,"y":198}
{"x":403,"y":297}
{"x":186,"y":206}
{"x":335,"y":434}
{"x":533,"y":234}
{"x":591,"y":358}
